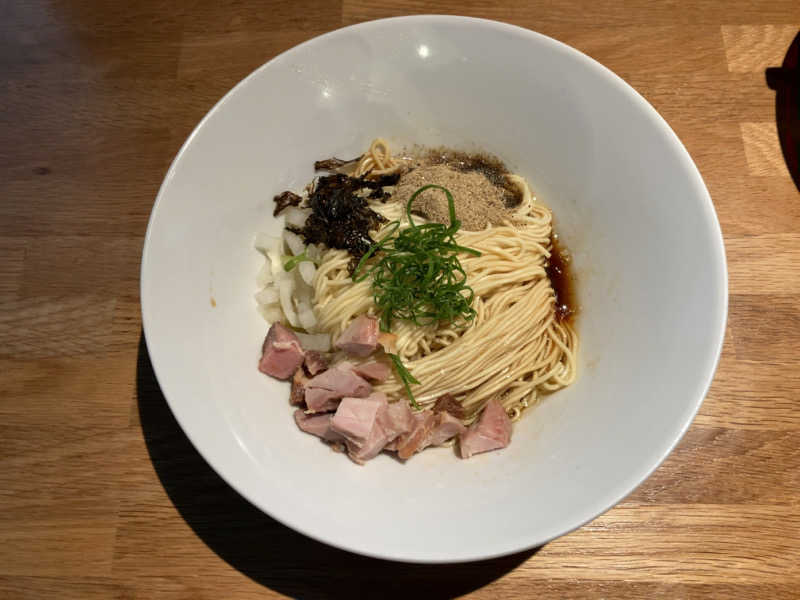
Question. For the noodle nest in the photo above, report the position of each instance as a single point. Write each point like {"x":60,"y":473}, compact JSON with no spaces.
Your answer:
{"x":515,"y":349}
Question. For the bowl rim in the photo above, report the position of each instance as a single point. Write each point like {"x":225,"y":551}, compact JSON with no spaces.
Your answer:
{"x":715,"y":235}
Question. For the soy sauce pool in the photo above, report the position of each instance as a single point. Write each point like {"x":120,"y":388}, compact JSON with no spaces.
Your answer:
{"x":559,"y":272}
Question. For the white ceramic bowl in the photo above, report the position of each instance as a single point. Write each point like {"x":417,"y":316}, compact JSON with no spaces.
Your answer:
{"x":628,"y":201}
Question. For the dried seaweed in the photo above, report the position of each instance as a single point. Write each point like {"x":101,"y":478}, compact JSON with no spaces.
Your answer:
{"x":340,"y":217}
{"x":285,"y":199}
{"x":331,"y":164}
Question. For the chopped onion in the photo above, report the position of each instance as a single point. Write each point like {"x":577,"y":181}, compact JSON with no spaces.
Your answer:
{"x":285,"y":289}
{"x":306,"y":316}
{"x":264,"y":242}
{"x":287,"y":295}
{"x":320,"y":342}
{"x":294,"y":242}
{"x":307,"y":271}
{"x":274,"y":257}
{"x":302,"y":301}
{"x":296,"y":216}
{"x":269,"y":295}
{"x":313,"y":252}
{"x":264,"y":276}
{"x":302,"y":291}
{"x":270,"y":312}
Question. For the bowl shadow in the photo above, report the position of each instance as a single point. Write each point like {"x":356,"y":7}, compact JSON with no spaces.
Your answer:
{"x":267,"y":551}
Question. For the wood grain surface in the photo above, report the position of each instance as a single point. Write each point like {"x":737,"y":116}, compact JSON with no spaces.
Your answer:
{"x":101,"y":494}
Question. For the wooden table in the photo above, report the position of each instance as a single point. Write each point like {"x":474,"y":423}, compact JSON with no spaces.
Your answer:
{"x":101,"y":494}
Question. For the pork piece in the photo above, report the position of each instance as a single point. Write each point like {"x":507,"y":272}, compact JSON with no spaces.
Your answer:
{"x":368,"y":450}
{"x":298,"y":393}
{"x":315,"y":362}
{"x":368,"y":424}
{"x":281,"y":353}
{"x":492,"y":431}
{"x":392,"y":421}
{"x":399,"y":419}
{"x":392,"y":446}
{"x":332,"y":379}
{"x":375,"y":442}
{"x":319,"y":400}
{"x":324,"y":391}
{"x":447,"y":402}
{"x":375,"y":370}
{"x":319,"y":425}
{"x":430,"y":429}
{"x":445,"y":426}
{"x":416,"y":439}
{"x":388,"y":342}
{"x":356,"y":418}
{"x":360,"y":338}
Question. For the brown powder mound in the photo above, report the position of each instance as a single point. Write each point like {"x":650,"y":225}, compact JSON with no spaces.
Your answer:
{"x":477,"y":200}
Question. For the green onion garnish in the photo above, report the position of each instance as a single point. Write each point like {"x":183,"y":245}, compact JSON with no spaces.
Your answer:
{"x":418,"y":276}
{"x":406,"y":377}
{"x":295,"y":260}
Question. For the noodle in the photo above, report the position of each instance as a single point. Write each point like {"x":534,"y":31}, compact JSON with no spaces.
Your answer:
{"x":377,"y":161}
{"x":515,"y":349}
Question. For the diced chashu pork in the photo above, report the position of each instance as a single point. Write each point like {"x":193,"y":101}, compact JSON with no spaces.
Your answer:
{"x":356,"y":418}
{"x":492,"y":431}
{"x":324,"y":391}
{"x":360,"y":338}
{"x":281,"y":353}
{"x":388,"y":341}
{"x":398,"y":420}
{"x":409,"y":442}
{"x":430,"y":429}
{"x":297,"y":395}
{"x":368,"y":424}
{"x":375,"y":370}
{"x":449,"y":403}
{"x":319,"y":425}
{"x":315,"y":362}
{"x":445,"y":427}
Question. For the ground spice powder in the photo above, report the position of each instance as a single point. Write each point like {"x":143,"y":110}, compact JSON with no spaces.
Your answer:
{"x":478,"y":202}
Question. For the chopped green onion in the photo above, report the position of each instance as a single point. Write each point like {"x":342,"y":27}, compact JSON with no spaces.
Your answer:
{"x":406,"y":377}
{"x":372,"y":250}
{"x":296,"y":260}
{"x":419,"y":277}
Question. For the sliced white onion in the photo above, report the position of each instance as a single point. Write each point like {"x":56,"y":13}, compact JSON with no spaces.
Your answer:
{"x":296,"y":216}
{"x":321,"y":342}
{"x":275,"y":262}
{"x":306,"y":316}
{"x":264,"y":242}
{"x":313,"y":252}
{"x":269,"y":295}
{"x":302,"y":291}
{"x":307,"y":271}
{"x":294,"y":242}
{"x":264,"y":276}
{"x":286,"y":290}
{"x":270,"y":312}
{"x":303,"y":295}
